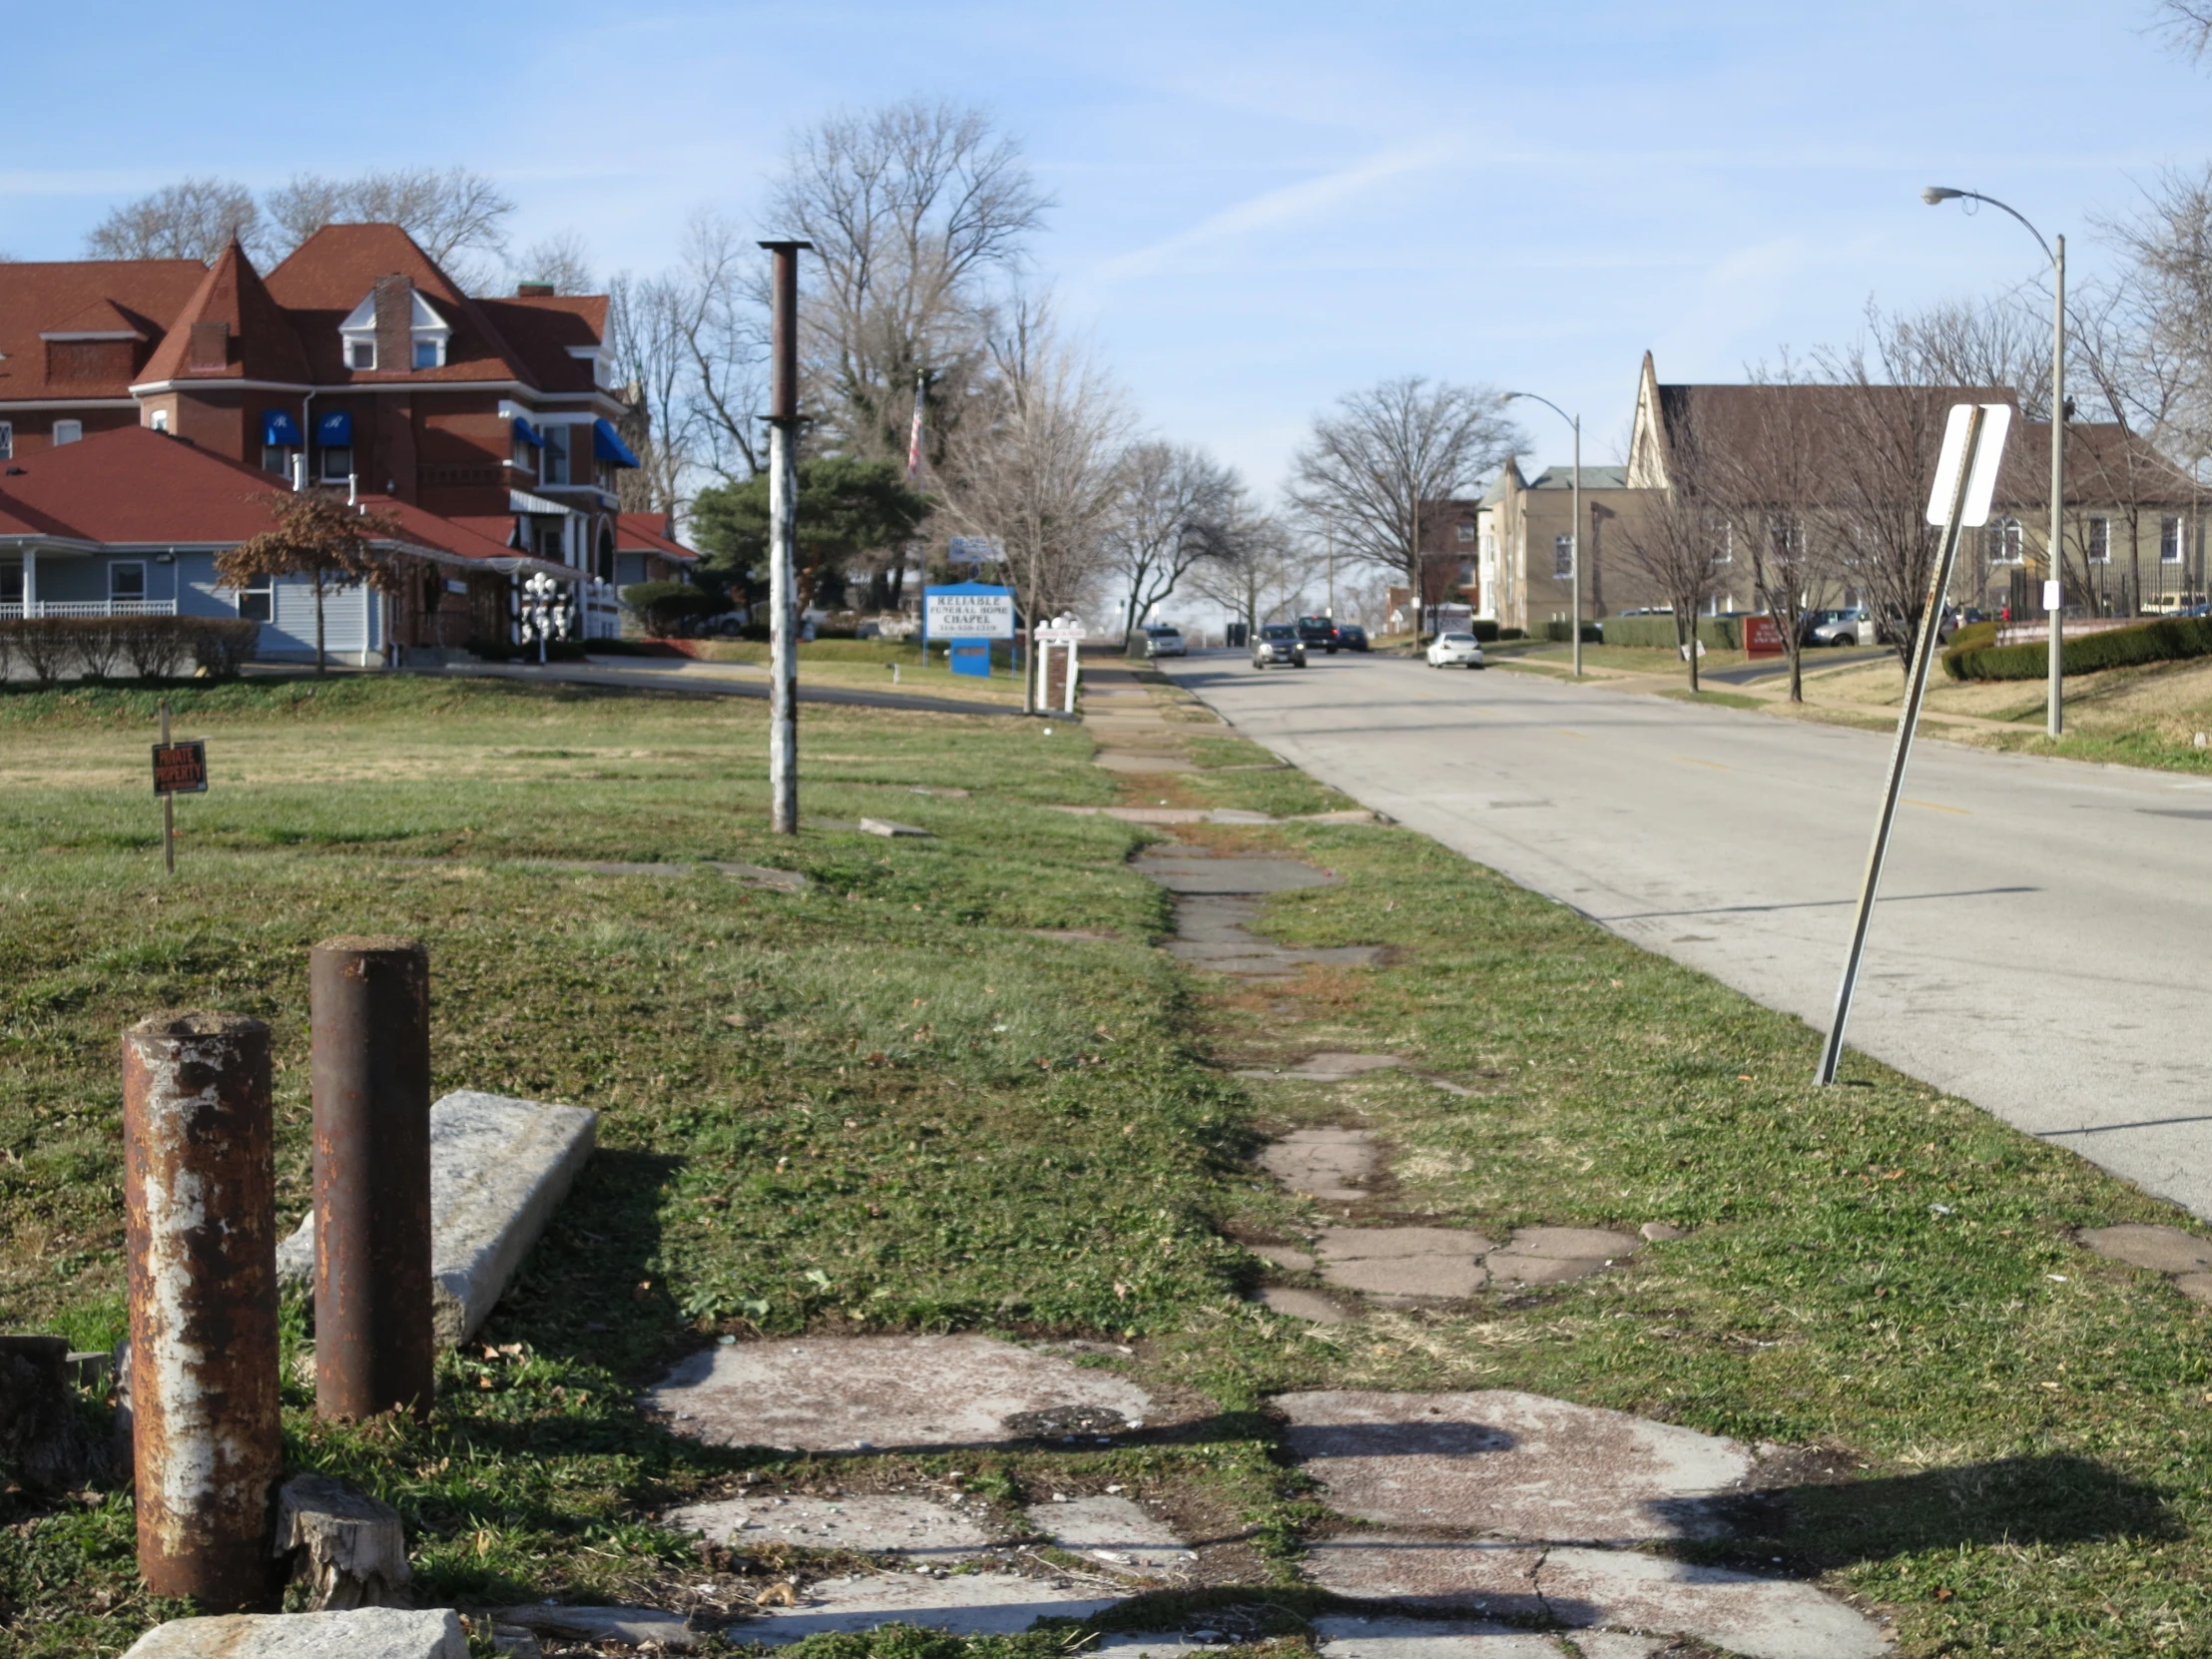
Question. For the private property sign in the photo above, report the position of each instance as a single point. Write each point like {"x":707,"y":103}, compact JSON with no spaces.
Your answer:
{"x":181,"y":767}
{"x":967,"y":611}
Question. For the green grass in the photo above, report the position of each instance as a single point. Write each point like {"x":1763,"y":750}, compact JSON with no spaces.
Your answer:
{"x":885,"y":1104}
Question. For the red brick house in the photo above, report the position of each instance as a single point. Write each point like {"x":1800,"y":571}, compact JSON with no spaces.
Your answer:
{"x":355,"y":363}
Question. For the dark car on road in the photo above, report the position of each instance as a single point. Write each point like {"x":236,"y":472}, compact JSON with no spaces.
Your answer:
{"x":1318,"y":630}
{"x":1279,"y":642}
{"x":1351,"y":636}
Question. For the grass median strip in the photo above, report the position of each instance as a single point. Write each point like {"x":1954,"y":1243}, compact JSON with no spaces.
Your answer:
{"x":888,"y":1103}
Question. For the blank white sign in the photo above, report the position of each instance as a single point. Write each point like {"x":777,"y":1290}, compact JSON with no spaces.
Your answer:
{"x":1988,"y":456}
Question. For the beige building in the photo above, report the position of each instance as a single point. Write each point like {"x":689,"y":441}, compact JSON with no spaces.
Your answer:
{"x":1524,"y":531}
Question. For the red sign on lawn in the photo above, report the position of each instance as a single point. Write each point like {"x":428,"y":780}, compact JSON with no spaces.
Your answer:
{"x":1760,"y":637}
{"x":181,"y":767}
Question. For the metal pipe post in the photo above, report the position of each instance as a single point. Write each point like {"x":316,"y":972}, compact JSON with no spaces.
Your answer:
{"x":199,"y":1205}
{"x":1915,"y":689}
{"x":1574,"y":553}
{"x":783,"y":539}
{"x":2057,"y":719}
{"x":370,"y":1010}
{"x":169,"y":808}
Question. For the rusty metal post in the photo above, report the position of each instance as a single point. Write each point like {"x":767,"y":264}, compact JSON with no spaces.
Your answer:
{"x":200,"y":1196}
{"x":373,"y":1347}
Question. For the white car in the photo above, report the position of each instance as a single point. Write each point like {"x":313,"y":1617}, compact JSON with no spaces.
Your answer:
{"x":1454,"y":651}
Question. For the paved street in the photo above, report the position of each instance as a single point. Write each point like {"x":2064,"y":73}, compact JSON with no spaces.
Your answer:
{"x":2042,"y":948}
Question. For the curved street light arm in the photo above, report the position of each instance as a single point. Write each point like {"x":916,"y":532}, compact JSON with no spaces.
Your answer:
{"x":1936,"y":194}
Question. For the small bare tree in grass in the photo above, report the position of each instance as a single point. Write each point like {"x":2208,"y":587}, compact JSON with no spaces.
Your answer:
{"x":323,"y":537}
{"x":1678,"y":544}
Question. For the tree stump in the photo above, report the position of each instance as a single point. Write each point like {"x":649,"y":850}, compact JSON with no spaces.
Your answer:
{"x":347,"y":1549}
{"x":44,"y":1443}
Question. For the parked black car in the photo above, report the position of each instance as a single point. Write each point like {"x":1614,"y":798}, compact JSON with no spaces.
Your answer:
{"x":1318,"y":630}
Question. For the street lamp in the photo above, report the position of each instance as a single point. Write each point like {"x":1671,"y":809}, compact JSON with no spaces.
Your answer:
{"x":2054,"y":585}
{"x":1574,"y":538}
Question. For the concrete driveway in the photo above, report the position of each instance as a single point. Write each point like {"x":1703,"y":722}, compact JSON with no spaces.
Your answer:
{"x":2044,"y":941}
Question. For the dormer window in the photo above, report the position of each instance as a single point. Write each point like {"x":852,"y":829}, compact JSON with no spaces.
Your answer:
{"x":428,"y":332}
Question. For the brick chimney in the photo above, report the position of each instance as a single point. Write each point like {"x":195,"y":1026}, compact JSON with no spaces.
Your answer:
{"x":209,"y":345}
{"x":395,"y":322}
{"x":533,"y":291}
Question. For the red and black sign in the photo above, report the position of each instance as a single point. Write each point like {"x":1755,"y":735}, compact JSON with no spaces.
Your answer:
{"x":1762,"y":638}
{"x":181,"y":767}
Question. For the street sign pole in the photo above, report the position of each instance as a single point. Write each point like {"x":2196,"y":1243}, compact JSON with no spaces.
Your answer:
{"x":1965,"y":478}
{"x":169,"y":808}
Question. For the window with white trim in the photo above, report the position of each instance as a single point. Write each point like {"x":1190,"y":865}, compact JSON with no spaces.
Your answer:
{"x":68,"y":431}
{"x":361,"y":353}
{"x":337,"y":462}
{"x":259,"y":602}
{"x":126,"y":581}
{"x":2169,"y":539}
{"x":2000,"y":539}
{"x":2096,"y":541}
{"x":556,"y":455}
{"x":1562,"y":557}
{"x":1466,"y":530}
{"x":159,"y":421}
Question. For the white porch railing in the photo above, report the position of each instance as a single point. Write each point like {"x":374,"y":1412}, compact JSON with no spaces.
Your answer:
{"x":88,"y":607}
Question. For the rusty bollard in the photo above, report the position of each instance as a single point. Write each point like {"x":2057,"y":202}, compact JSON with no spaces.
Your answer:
{"x":374,"y":1348}
{"x":200,"y":1195}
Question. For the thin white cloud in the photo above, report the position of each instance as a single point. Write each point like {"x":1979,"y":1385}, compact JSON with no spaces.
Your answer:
{"x":1287,"y":205}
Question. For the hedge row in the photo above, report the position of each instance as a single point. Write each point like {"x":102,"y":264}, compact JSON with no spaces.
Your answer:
{"x":150,"y":647}
{"x":1559,"y":633}
{"x":2164,"y":641}
{"x":1656,"y":633}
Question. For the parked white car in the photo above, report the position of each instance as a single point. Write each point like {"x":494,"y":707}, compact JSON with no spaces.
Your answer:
{"x":1454,"y":651}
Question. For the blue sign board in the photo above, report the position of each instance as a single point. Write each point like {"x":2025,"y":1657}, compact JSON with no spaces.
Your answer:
{"x":967,"y":616}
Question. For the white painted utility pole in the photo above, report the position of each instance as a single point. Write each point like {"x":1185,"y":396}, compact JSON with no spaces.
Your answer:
{"x":1574,"y":536}
{"x":783,"y":539}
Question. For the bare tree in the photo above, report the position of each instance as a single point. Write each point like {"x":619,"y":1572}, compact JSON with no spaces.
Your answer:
{"x":1679,"y":543}
{"x":1033,"y":470}
{"x":2170,"y":238}
{"x":1173,"y":506}
{"x":561,"y":261}
{"x":1260,"y":569}
{"x":1371,"y":469}
{"x":645,"y":335}
{"x":1770,"y":483}
{"x":193,"y":218}
{"x":456,"y":216}
{"x":921,"y":215}
{"x":2186,"y":26}
{"x":718,"y":322}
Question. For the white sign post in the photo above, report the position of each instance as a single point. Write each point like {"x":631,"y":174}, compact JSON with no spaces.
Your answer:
{"x":1067,"y":633}
{"x":1966,"y":482}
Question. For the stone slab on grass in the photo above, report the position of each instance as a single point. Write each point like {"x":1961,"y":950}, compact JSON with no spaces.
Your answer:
{"x":965,"y":1604}
{"x":632,"y":1625}
{"x":1614,"y":1644}
{"x":1411,"y":1262}
{"x":1512,"y":1464}
{"x":1382,"y":1638}
{"x":1180,"y":872}
{"x":363,"y":1633}
{"x":1296,"y":1304}
{"x":1429,"y":1574}
{"x":2160,"y":1248}
{"x":499,"y":1168}
{"x":846,"y":1393}
{"x":1331,"y":1164}
{"x":917,"y":1528}
{"x":893,"y":827}
{"x":1559,"y":1254}
{"x":1137,"y":763}
{"x":1115,"y":1531}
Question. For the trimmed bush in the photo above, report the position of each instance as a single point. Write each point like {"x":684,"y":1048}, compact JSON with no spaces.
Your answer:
{"x":1973,"y":636}
{"x":1486,"y":630}
{"x":1512,"y":633}
{"x":1561,"y":632}
{"x":664,"y":607}
{"x":1657,"y":633}
{"x":2170,"y":638}
{"x":223,"y":644}
{"x":155,"y":647}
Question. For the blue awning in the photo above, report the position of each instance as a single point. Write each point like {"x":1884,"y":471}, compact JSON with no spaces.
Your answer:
{"x":606,"y":444}
{"x":528,"y":433}
{"x":279,"y":429}
{"x":335,"y":430}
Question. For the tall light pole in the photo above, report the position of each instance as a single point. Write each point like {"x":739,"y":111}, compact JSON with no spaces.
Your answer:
{"x":1574,"y":538}
{"x":783,"y":537}
{"x":2054,"y":590}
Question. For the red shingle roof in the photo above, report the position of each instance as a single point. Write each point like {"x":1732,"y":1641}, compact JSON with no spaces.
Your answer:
{"x":262,"y":345}
{"x":41,"y":297}
{"x":646,"y":533}
{"x":333,"y":270}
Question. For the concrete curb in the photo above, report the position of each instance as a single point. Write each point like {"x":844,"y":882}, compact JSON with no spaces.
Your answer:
{"x":363,"y":1633}
{"x":499,"y":1167}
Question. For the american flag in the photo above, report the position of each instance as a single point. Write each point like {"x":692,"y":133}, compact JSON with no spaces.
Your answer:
{"x":913,"y":438}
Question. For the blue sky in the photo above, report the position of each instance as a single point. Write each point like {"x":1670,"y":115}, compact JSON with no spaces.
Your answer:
{"x":1260,"y":205}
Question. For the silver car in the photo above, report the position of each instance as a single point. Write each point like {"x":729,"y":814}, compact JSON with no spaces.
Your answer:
{"x":1277,"y":646}
{"x":1164,"y":641}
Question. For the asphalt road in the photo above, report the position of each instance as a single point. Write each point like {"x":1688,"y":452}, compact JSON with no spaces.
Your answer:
{"x":2042,"y":950}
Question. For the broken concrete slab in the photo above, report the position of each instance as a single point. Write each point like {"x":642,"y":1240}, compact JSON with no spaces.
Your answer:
{"x":1423,"y":1573}
{"x":1763,"y":1618}
{"x":1296,"y":1304}
{"x":1333,"y":1066}
{"x":1331,"y":1164}
{"x":760,"y":876}
{"x":1514,"y":1464}
{"x":845,"y":1393}
{"x":2160,"y":1248}
{"x":1115,"y":1531}
{"x":1614,"y":1644}
{"x":965,"y":1604}
{"x":632,"y":1625}
{"x":1157,"y":1644}
{"x":1138,"y":762}
{"x":1282,"y":1256}
{"x":1211,"y":932}
{"x":1407,"y":1261}
{"x":1180,"y":872}
{"x":1661,"y":1232}
{"x":1558,"y":1254}
{"x":1346,"y":1637}
{"x":362,"y":1633}
{"x":893,"y":827}
{"x":499,"y":1168}
{"x":919,"y":1528}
